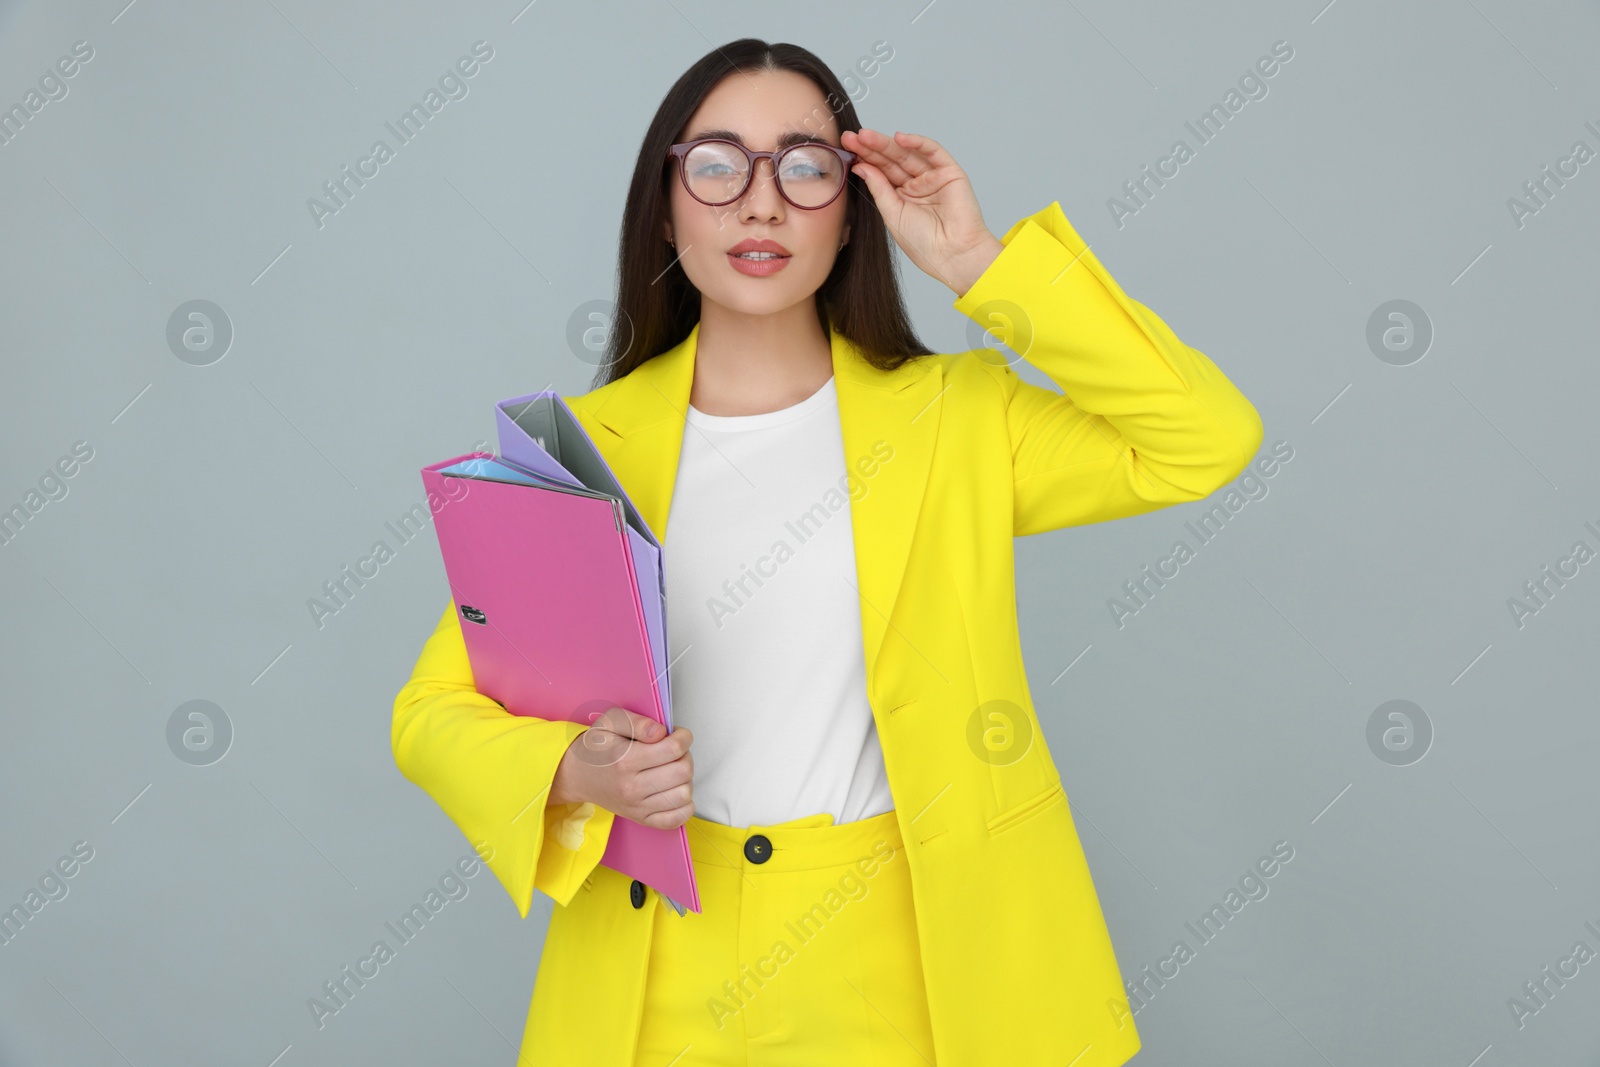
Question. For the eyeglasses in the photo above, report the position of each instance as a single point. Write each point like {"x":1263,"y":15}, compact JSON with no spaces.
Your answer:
{"x":809,"y":175}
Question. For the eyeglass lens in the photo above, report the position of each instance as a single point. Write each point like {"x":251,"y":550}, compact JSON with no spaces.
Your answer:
{"x":809,"y":175}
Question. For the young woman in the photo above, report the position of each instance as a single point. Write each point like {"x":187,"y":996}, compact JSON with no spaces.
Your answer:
{"x":888,"y":866}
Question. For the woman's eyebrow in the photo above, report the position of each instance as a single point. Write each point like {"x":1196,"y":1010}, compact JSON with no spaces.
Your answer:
{"x":784,"y":140}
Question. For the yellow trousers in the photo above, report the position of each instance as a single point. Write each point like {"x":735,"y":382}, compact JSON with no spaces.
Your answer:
{"x":804,"y":952}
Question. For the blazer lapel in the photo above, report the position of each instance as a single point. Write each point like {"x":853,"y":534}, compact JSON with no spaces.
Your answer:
{"x":645,"y":414}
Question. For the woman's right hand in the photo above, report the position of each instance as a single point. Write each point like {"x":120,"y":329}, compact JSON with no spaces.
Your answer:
{"x":628,"y":764}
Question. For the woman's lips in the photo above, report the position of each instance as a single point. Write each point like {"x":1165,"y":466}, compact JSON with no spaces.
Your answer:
{"x":758,"y":268}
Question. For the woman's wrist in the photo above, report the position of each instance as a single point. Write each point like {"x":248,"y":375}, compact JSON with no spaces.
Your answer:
{"x":563,"y":788}
{"x":963,"y":273}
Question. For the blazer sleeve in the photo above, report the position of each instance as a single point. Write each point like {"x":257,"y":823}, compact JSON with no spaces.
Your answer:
{"x":491,"y":772}
{"x":1142,"y":420}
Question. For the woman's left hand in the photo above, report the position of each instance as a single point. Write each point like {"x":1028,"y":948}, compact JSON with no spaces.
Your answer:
{"x":927,"y":203}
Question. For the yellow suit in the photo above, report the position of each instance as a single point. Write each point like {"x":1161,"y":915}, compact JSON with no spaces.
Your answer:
{"x":1017,"y":960}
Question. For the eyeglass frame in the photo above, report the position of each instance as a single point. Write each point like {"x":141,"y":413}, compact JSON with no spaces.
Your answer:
{"x":680,"y":152}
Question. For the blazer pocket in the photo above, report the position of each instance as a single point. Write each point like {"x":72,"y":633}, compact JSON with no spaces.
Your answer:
{"x":1011,"y":817}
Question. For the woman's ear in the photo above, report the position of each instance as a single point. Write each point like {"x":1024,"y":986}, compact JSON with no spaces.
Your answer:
{"x":666,"y":231}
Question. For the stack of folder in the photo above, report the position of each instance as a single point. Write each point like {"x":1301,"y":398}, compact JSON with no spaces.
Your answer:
{"x":561,"y":598}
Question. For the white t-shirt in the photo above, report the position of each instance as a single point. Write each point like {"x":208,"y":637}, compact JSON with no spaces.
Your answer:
{"x":763,"y":620}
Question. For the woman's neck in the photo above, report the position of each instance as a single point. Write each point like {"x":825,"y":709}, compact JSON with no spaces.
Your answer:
{"x":753,"y":364}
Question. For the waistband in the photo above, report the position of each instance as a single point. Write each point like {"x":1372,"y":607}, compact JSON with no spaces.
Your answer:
{"x":802,"y":844}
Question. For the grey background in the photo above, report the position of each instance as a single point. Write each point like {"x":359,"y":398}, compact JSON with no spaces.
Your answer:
{"x":1229,"y":714}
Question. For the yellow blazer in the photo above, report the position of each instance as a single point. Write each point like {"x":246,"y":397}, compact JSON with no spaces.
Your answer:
{"x":1017,"y":960}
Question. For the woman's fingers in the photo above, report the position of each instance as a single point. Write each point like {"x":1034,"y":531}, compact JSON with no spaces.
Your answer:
{"x":897,"y":149}
{"x":619,"y":731}
{"x":925,"y":152}
{"x":631,"y":724}
{"x":897,"y":163}
{"x":925,"y":198}
{"x":668,"y":802}
{"x":656,"y":777}
{"x":911,"y":163}
{"x":669,"y":749}
{"x":668,"y":820}
{"x":669,"y":799}
{"x":883,"y":193}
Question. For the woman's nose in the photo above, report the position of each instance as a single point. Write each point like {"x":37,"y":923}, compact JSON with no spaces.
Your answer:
{"x":762,"y":193}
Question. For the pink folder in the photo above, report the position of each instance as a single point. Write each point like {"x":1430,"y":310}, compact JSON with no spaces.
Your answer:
{"x":548,"y":598}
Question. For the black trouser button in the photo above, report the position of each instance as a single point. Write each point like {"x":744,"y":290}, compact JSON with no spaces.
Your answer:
{"x":757,"y":849}
{"x":636,"y":893}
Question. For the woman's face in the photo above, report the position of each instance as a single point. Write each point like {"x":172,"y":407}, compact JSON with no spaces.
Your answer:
{"x":756,"y":110}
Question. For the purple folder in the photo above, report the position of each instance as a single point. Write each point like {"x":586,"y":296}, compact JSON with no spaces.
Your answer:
{"x":539,"y":433}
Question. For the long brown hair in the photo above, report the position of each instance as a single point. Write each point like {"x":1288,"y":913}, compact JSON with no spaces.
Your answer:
{"x":657,"y":305}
